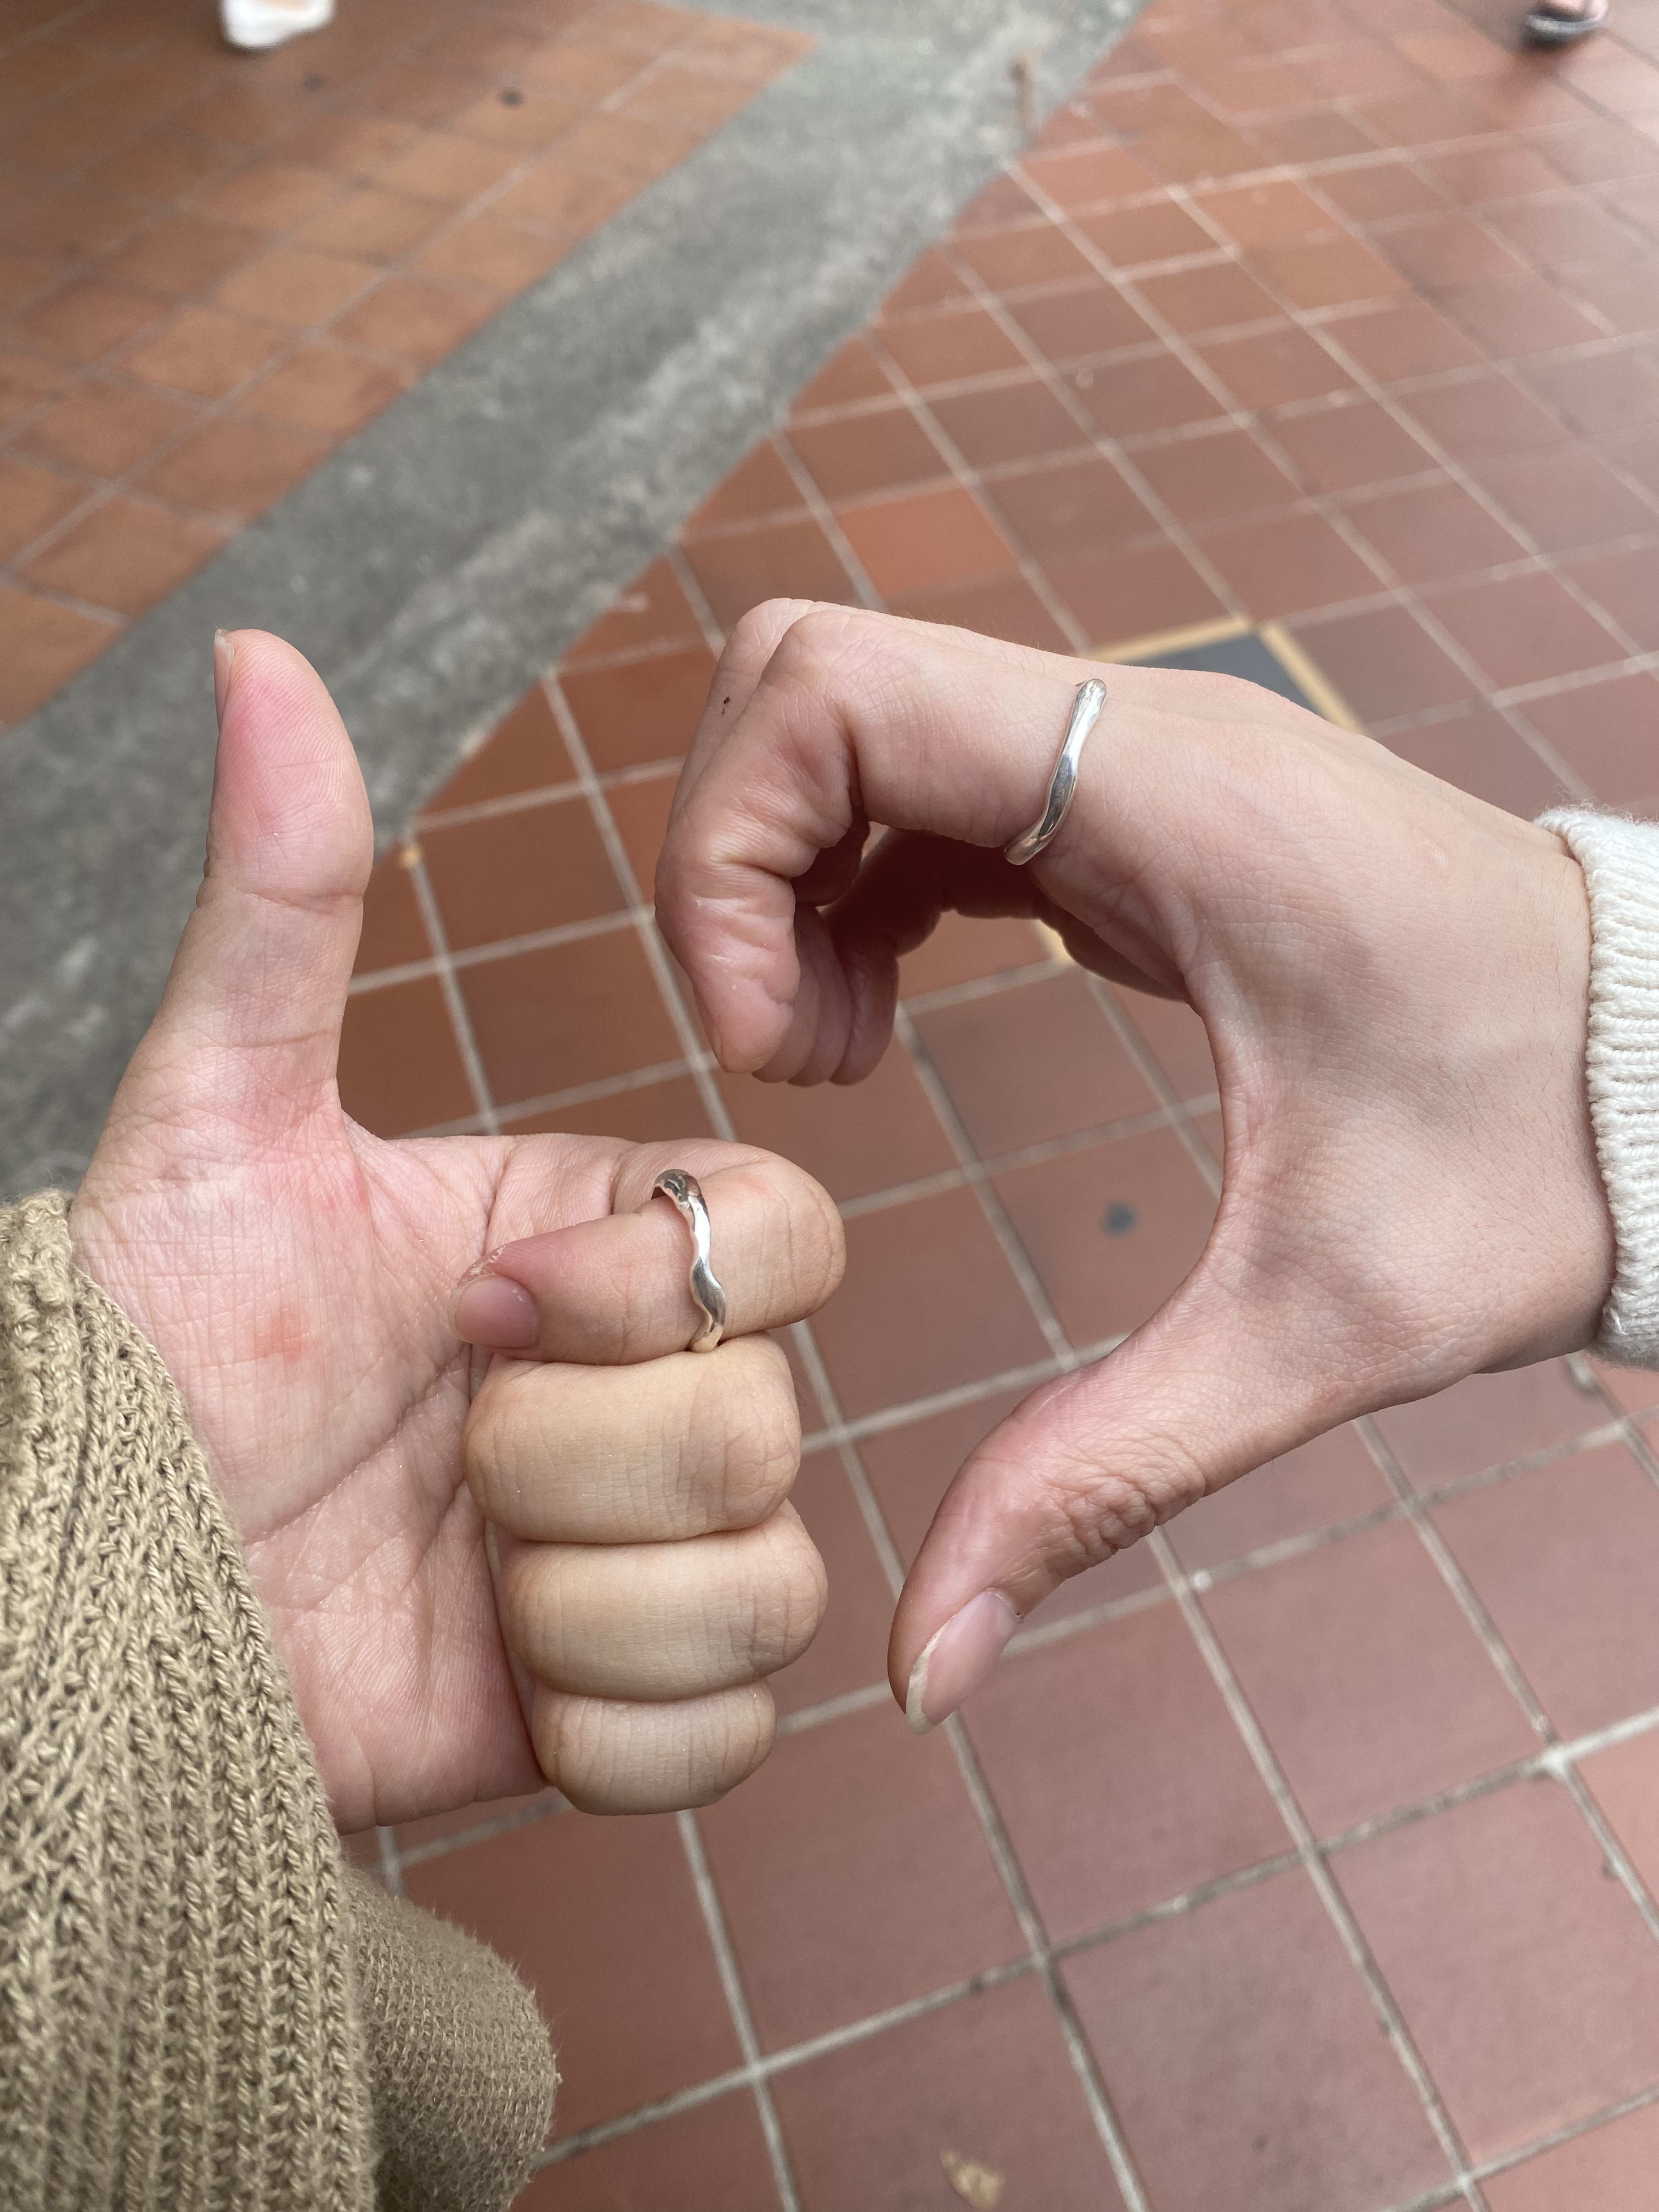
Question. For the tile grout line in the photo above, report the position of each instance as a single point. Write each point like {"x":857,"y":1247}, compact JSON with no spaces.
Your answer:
{"x":1555,"y":1761}
{"x":459,"y":1020}
{"x":1337,"y":1908}
{"x":719,"y":1934}
{"x":736,"y":2001}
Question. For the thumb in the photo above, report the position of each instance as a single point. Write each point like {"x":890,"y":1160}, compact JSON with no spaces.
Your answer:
{"x":249,"y":1024}
{"x":1218,"y":1381}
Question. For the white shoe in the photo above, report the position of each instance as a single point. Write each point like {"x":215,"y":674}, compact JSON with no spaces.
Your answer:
{"x":255,"y":23}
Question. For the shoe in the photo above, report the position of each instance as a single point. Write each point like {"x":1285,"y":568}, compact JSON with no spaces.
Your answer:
{"x":251,"y":24}
{"x":1547,"y":26}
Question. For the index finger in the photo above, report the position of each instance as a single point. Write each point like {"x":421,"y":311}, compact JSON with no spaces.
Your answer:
{"x":606,"y":1292}
{"x":853,"y":714}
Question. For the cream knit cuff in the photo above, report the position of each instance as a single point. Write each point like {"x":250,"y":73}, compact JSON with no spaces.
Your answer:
{"x":1620,"y":861}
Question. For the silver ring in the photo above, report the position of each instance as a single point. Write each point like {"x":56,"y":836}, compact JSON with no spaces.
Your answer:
{"x":1062,"y":788}
{"x":706,"y":1296}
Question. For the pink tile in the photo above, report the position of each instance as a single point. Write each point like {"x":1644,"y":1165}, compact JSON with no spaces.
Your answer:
{"x":1487,"y":1421}
{"x":1612,"y":2168}
{"x":1525,"y":1976}
{"x":1624,"y":1779}
{"x":1243,"y":2056}
{"x":1566,"y":1559}
{"x":1118,"y":1770}
{"x":1333,"y":1479}
{"x":986,"y":2079}
{"x":853,"y":1875}
{"x":850,"y":1649}
{"x":716,"y":2153}
{"x":1373,"y":1689}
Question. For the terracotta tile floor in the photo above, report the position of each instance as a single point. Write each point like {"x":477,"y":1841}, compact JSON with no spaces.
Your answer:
{"x":214,"y":267}
{"x":1306,"y":1859}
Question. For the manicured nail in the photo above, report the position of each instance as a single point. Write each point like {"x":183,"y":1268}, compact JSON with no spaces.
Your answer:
{"x":224,"y":659}
{"x":957,"y":1660}
{"x":494,"y":1312}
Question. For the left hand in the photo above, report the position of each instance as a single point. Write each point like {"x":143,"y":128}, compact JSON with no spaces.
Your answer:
{"x":297,"y":1276}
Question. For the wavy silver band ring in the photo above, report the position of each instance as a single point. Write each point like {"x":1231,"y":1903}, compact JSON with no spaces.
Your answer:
{"x":706,"y":1296}
{"x":1062,"y":787}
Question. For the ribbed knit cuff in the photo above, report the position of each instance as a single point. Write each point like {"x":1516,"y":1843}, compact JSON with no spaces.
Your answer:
{"x":1620,"y":861}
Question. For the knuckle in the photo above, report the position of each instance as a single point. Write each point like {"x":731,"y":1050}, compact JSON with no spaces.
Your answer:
{"x":755,"y":1423}
{"x":784,"y":1601}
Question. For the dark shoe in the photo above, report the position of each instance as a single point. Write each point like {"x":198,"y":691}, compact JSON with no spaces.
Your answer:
{"x":1546,"y":26}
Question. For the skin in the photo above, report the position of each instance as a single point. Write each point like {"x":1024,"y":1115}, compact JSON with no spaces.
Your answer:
{"x":1394,"y":977}
{"x":298,"y":1277}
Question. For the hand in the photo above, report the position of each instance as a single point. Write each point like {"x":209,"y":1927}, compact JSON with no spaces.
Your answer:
{"x":1394,"y":977}
{"x":297,"y":1276}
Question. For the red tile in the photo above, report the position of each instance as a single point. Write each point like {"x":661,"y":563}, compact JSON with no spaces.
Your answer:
{"x":851,"y":375}
{"x":854,"y":1139}
{"x":1175,"y":1037}
{"x":986,"y":2079}
{"x":1600,"y":394}
{"x":1210,"y":296}
{"x":42,"y":646}
{"x":1316,"y":273}
{"x":1012,"y":260}
{"x":849,"y":1651}
{"x":1025,"y":1066}
{"x":1378,"y":190}
{"x":394,"y":931}
{"x":760,"y":485}
{"x":567,"y":1015}
{"x":1356,"y":442}
{"x":929,"y":1303}
{"x":1111,"y":1231}
{"x":1274,"y":366}
{"x":601,"y":1918}
{"x":1481,"y":416}
{"x":1488,"y":1421}
{"x":1428,"y":531}
{"x":1626,"y":586}
{"x":1624,"y":1779}
{"x":714,"y":2153}
{"x":1214,"y":476}
{"x":1152,"y":230}
{"x":1266,"y":214}
{"x":1383,"y":663}
{"x":1611,"y":2167}
{"x":1482,"y":755}
{"x":1603,"y":731}
{"x":1115,"y":1802}
{"x":1094,"y":177}
{"x":1012,"y":422}
{"x":853,"y":1875}
{"x":1241,"y":2053}
{"x":639,"y":809}
{"x":1150,"y":391}
{"x":1071,"y":326}
{"x":1519,"y":630}
{"x":925,"y":541}
{"x":1372,"y":1688}
{"x":1449,"y":249}
{"x":523,"y":752}
{"x":1410,"y":339}
{"x":776,"y":560}
{"x":930,"y":281}
{"x":653,"y":610}
{"x":510,"y":874}
{"x":1564,"y":1557}
{"x":1519,"y":314}
{"x":640,"y":710}
{"x":1122,"y":593}
{"x":1332,"y":1480}
{"x":643,"y":1114}
{"x":1069,"y":507}
{"x":1567,"y":499}
{"x":875,"y":451}
{"x":943,"y":348}
{"x":1288,"y":564}
{"x":1524,"y":1975}
{"x":400,"y":1067}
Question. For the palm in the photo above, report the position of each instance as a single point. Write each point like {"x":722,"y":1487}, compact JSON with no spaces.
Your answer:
{"x":299,"y":1296}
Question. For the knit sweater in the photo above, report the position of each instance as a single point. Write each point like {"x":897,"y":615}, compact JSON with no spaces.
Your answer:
{"x":201,"y":2008}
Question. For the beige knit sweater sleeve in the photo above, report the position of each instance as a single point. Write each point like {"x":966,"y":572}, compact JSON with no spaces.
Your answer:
{"x":201,"y":2011}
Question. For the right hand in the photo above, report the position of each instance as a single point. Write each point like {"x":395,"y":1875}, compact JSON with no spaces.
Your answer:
{"x":1394,"y":977}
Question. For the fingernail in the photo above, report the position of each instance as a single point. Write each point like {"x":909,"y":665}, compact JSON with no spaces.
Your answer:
{"x":494,"y":1312}
{"x":224,"y":657}
{"x":957,"y":1660}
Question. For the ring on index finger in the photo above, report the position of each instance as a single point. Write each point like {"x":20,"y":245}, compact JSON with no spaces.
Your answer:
{"x":686,"y":1193}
